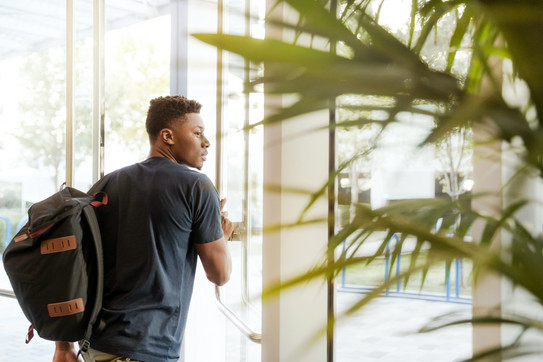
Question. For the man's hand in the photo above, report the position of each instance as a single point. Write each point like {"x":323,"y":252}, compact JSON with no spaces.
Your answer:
{"x":215,"y":256}
{"x":226,"y":224}
{"x":65,"y":352}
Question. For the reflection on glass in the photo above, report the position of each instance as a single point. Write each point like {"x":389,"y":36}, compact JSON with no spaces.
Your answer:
{"x":391,"y":167}
{"x":33,"y":110}
{"x":83,"y":112}
{"x":32,"y":116}
{"x":242,"y":172}
{"x":137,"y":70}
{"x":32,"y":137}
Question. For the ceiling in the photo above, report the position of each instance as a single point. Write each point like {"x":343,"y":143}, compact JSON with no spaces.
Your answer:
{"x":30,"y":25}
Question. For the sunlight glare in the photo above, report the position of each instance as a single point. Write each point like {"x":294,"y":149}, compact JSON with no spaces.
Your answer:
{"x":395,"y":14}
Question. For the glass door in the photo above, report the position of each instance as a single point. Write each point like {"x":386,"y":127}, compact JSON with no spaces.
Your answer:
{"x":32,"y":143}
{"x":34,"y":88}
{"x":241,"y":182}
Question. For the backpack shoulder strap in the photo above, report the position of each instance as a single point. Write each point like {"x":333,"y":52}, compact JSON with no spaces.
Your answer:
{"x":99,"y":185}
{"x":92,"y":221}
{"x":88,"y":211}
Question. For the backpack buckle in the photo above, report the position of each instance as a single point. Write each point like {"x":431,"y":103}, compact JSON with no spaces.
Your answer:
{"x":84,"y":346}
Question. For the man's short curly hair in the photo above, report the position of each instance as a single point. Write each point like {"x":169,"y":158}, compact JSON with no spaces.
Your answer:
{"x":164,"y":110}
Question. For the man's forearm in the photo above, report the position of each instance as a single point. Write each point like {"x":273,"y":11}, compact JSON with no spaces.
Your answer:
{"x":65,"y":352}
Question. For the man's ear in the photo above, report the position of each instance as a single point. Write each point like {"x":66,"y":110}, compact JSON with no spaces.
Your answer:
{"x":166,"y":136}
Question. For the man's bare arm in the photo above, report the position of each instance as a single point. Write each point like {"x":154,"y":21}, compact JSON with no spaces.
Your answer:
{"x":215,"y":256}
{"x":216,"y":260}
{"x":65,"y":352}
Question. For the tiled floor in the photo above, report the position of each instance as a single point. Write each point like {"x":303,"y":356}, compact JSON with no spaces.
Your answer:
{"x":13,"y":329}
{"x":13,"y":333}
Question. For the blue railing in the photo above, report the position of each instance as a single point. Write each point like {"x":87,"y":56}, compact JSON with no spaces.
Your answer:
{"x":398,"y":292}
{"x":8,"y":229}
{"x":20,"y":224}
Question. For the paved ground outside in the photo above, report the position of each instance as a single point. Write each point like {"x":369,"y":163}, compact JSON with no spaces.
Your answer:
{"x":386,"y":331}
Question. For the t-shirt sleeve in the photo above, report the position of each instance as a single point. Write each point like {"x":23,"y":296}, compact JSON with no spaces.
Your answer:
{"x":206,"y":224}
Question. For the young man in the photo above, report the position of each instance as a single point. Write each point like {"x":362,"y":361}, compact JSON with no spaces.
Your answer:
{"x":161,"y":215}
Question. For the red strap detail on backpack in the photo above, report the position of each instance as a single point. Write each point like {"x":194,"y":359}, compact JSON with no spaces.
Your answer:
{"x":38,"y":232}
{"x":29,"y":334}
{"x":102,"y":201}
{"x":20,"y":237}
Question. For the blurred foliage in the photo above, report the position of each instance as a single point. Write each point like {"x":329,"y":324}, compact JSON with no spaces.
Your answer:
{"x":448,"y":67}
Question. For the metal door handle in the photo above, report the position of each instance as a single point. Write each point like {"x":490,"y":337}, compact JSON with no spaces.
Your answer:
{"x":241,"y":325}
{"x":7,"y":293}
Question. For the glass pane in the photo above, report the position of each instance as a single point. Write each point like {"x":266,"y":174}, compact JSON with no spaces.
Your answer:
{"x":83,"y":102}
{"x":390,"y":166}
{"x":242,"y":174}
{"x":137,"y":70}
{"x":397,"y":169}
{"x":255,"y":187}
{"x":33,"y":112}
{"x":32,"y":146}
{"x":255,"y":162}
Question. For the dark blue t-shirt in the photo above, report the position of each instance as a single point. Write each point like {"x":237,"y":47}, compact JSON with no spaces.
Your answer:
{"x":157,"y":210}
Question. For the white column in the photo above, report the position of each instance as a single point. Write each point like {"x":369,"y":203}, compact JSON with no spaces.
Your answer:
{"x":292,"y":319}
{"x":487,"y":293}
{"x":488,"y":178}
{"x":295,"y":157}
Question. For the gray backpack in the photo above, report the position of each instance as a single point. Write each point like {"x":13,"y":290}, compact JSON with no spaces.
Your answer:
{"x":55,"y":266}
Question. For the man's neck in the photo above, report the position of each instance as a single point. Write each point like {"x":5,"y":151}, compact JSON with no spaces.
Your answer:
{"x":158,"y":152}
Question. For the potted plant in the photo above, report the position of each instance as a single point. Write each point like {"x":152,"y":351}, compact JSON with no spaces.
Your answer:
{"x":366,"y":60}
